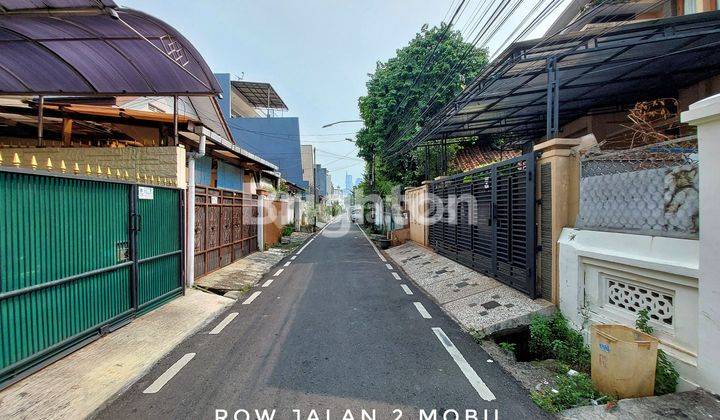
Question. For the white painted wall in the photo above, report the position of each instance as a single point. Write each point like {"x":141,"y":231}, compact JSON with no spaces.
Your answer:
{"x":705,"y":114}
{"x":606,"y":277}
{"x":379,"y":216}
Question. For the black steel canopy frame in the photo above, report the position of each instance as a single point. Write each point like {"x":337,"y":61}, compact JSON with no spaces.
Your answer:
{"x":537,"y":86}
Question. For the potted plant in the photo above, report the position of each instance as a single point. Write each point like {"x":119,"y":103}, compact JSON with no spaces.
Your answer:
{"x":383,"y":243}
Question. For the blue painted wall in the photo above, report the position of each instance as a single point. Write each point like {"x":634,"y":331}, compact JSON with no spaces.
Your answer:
{"x":203,"y":167}
{"x":321,"y":177}
{"x":224,"y":81}
{"x":229,"y":176}
{"x":274,"y":139}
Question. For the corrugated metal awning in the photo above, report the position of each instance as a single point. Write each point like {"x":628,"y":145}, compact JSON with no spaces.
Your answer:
{"x":97,"y":52}
{"x":17,"y":5}
{"x":260,"y":94}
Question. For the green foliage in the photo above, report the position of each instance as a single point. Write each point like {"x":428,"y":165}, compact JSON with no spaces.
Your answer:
{"x":540,"y":337}
{"x":666,"y":376}
{"x":335,"y":209}
{"x":642,"y":322}
{"x":508,"y":347}
{"x":571,"y":391}
{"x":552,"y":338}
{"x":475,"y":334}
{"x":395,"y":103}
{"x":288,"y":229}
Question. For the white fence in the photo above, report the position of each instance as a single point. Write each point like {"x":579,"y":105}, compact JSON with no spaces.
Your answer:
{"x":650,"y":190}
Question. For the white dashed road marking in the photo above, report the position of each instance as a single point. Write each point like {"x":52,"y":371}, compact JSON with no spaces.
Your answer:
{"x":251,"y":298}
{"x":397,"y":277}
{"x":293,"y":257}
{"x":277,"y":273}
{"x":389,"y":267}
{"x":169,"y":374}
{"x":406,"y":289}
{"x":219,"y":327}
{"x":372,"y":244}
{"x":286,"y":264}
{"x":464,"y":366}
{"x":268,"y":283}
{"x":423,"y":312}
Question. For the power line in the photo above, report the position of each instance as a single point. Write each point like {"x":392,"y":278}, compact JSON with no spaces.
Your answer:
{"x":497,"y":12}
{"x":544,"y":40}
{"x":548,"y":9}
{"x":428,"y":58}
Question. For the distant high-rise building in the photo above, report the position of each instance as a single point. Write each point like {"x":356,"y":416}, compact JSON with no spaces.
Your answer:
{"x":348,"y":182}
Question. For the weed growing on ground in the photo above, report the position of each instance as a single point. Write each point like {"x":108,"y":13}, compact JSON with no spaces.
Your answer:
{"x":552,"y":338}
{"x":666,"y":376}
{"x":508,"y":347}
{"x":288,"y":229}
{"x":571,"y":391}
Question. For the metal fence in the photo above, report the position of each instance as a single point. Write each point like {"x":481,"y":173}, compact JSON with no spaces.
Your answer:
{"x":651,"y":189}
{"x":225,"y":227}
{"x":487,"y":221}
{"x":78,"y":257}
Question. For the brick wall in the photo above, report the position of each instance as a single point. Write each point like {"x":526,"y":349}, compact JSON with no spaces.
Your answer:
{"x":158,"y":162}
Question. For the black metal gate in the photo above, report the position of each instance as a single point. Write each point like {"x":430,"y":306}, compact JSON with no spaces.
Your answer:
{"x":488,"y":221}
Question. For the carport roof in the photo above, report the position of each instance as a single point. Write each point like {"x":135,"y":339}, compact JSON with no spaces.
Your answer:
{"x":596,"y":68}
{"x":260,"y":94}
{"x":95,"y":50}
{"x":17,"y":5}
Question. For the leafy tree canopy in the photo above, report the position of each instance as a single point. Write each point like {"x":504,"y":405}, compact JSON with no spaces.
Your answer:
{"x":430,"y":71}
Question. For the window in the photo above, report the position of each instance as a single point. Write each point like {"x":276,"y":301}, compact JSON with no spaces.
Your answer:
{"x":689,"y":7}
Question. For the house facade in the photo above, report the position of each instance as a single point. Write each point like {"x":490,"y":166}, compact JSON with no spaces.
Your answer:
{"x":599,"y":212}
{"x":110,"y":179}
{"x":250,"y":109}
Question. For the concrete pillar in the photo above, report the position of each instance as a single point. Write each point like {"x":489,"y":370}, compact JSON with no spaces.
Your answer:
{"x":260,"y":225}
{"x":563,"y":166}
{"x":190,"y":226}
{"x":705,"y":114}
{"x":379,"y":213}
{"x":297,"y":212}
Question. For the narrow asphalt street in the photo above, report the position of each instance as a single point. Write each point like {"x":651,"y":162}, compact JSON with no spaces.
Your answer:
{"x":332,"y":327}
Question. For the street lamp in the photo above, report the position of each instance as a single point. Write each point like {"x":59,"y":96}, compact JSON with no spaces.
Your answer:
{"x":341,"y":122}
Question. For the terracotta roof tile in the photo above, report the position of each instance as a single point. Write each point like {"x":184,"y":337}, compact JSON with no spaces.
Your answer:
{"x":473,"y":157}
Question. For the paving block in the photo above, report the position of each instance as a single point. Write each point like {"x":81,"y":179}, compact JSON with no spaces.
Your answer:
{"x":476,"y":301}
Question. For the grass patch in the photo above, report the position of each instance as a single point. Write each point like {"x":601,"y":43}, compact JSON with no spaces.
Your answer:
{"x":552,"y":338}
{"x":570,"y":391}
{"x":508,"y":347}
{"x":288,"y":229}
{"x":666,"y":376}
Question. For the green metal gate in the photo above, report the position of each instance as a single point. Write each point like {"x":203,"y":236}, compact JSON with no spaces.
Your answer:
{"x":79,"y":257}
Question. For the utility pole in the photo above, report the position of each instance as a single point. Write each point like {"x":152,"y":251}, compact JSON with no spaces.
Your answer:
{"x":315,"y":190}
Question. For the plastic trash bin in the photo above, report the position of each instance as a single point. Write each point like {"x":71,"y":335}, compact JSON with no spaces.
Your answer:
{"x":623,"y":361}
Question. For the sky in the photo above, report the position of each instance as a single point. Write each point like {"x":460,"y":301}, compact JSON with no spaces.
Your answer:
{"x":316,"y":53}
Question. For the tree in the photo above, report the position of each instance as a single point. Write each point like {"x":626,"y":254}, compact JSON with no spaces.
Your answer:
{"x":429,"y":72}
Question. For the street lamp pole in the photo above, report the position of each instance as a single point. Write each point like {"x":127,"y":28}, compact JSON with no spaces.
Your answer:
{"x":341,"y":122}
{"x":315,"y":189}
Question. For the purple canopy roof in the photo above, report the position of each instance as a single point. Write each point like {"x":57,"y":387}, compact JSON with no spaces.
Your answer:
{"x":12,"y":5}
{"x":111,"y":52}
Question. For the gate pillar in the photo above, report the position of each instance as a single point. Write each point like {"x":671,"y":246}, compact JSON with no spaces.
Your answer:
{"x":260,"y":221}
{"x":558,"y":194}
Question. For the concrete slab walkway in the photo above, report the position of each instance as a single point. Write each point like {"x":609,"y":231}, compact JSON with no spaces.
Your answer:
{"x":696,"y":404}
{"x":83,"y":382}
{"x":479,"y":303}
{"x":245,"y":272}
